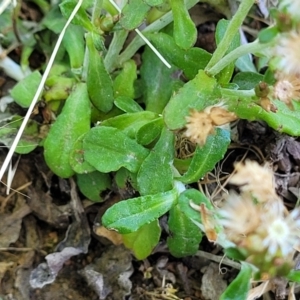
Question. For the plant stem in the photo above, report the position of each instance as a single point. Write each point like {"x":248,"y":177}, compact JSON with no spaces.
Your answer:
{"x":11,"y":68}
{"x":232,"y":29}
{"x":137,"y":42}
{"x":219,"y":259}
{"x":235,"y":54}
{"x":97,"y":10}
{"x":114,"y":49}
{"x":238,"y":93}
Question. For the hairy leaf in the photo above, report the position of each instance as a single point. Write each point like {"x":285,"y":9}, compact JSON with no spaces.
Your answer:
{"x":129,"y":215}
{"x":73,"y":121}
{"x":108,"y":149}
{"x":143,"y":240}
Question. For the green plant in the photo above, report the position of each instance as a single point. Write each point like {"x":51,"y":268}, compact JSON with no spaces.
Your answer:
{"x":139,"y":116}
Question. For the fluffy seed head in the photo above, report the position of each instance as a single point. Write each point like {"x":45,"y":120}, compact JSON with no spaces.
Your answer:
{"x":287,"y":52}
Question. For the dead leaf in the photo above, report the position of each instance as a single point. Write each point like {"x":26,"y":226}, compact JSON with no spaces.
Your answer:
{"x":10,"y":225}
{"x":111,"y":235}
{"x":43,"y":207}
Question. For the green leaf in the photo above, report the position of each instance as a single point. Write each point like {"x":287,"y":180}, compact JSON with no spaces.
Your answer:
{"x":154,"y":2}
{"x":24,"y":91}
{"x":155,"y":174}
{"x":266,"y":35}
{"x":73,"y":42}
{"x":269,"y":77}
{"x":236,"y":253}
{"x":240,"y":286}
{"x":127,"y":104}
{"x":245,"y":64}
{"x":143,"y":240}
{"x":108,"y":149}
{"x":225,"y":75}
{"x":185,"y":32}
{"x":58,"y":88}
{"x":53,"y":20}
{"x":182,"y":165}
{"x":150,"y":131}
{"x":99,"y":116}
{"x":81,"y":18}
{"x":129,"y":215}
{"x":130,"y":123}
{"x":185,"y":235}
{"x":73,"y":121}
{"x":133,"y":14}
{"x":189,"y":61}
{"x":99,"y":83}
{"x":206,"y":157}
{"x":283,"y":120}
{"x":30,"y":138}
{"x":126,"y":182}
{"x":294,"y":275}
{"x":247,"y":80}
{"x":158,"y":81}
{"x":198,"y":198}
{"x":124,"y":83}
{"x":197,"y":94}
{"x":92,"y":184}
{"x":77,"y":161}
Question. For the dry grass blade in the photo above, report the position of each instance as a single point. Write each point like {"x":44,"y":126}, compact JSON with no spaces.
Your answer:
{"x":4,"y":5}
{"x":11,"y":174}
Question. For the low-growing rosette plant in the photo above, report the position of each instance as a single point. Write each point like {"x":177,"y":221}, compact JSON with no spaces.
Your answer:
{"x":117,"y":122}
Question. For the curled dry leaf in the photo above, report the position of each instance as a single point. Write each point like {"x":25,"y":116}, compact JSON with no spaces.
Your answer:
{"x":113,"y":236}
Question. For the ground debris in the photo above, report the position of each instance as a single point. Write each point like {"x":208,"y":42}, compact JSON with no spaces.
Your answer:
{"x":213,"y":284}
{"x":109,"y":275}
{"x":76,"y":241}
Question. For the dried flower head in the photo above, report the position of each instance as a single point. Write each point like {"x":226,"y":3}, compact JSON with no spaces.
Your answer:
{"x":287,"y":88}
{"x":287,"y":52}
{"x":256,"y":180}
{"x":220,"y":116}
{"x":258,"y":228}
{"x":292,"y":7}
{"x":240,"y":216}
{"x":281,"y":232}
{"x":200,"y":124}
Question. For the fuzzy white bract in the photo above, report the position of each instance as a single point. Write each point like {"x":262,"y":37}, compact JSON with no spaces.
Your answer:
{"x":291,"y":6}
{"x":287,"y":52}
{"x":255,"y":179}
{"x":239,"y":216}
{"x":287,"y":88}
{"x":282,"y":233}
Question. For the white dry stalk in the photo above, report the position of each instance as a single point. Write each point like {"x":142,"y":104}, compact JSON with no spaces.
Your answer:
{"x":5,"y":4}
{"x":38,"y":92}
{"x":11,"y":174}
{"x":11,"y":68}
{"x":259,"y":290}
{"x":144,"y":39}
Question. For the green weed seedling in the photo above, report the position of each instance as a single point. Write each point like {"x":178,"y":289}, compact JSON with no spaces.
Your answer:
{"x":120,"y":114}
